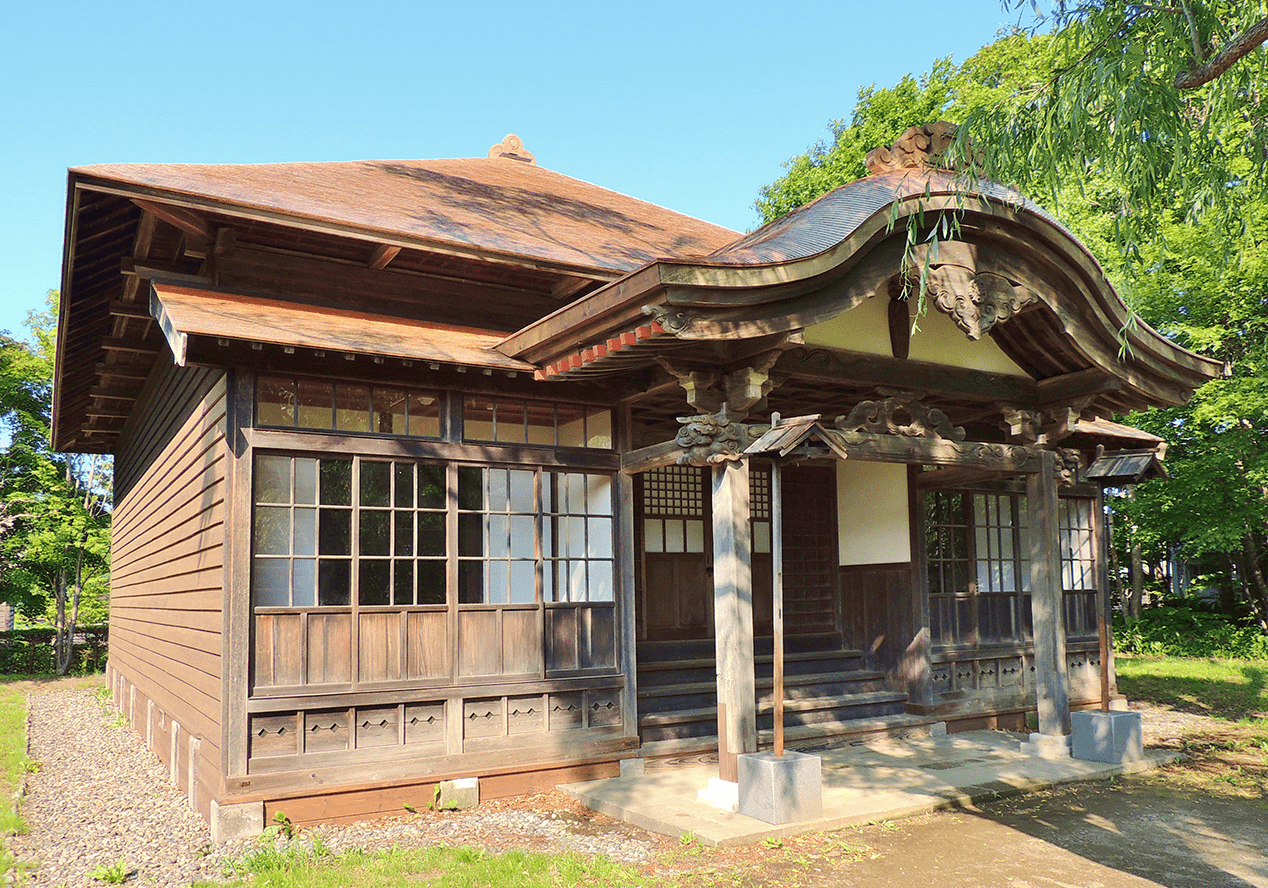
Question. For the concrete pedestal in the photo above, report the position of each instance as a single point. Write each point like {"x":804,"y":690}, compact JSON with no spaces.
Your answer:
{"x":780,"y":789}
{"x":1112,"y":737}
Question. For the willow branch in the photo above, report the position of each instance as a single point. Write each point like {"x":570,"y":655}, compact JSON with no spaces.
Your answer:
{"x":1239,"y":46}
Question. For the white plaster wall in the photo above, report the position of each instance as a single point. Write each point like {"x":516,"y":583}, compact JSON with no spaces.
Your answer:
{"x":873,"y":525}
{"x":865,"y":328}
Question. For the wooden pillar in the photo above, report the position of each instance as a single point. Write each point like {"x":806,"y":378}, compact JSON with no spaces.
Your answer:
{"x":777,"y":596}
{"x":733,"y":616}
{"x":1046,"y":604}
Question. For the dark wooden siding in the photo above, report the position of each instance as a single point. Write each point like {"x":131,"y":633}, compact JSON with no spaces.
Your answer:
{"x":167,"y":573}
{"x":876,"y":603}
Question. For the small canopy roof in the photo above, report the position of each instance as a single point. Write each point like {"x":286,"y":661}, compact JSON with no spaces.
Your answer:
{"x":1126,"y":467}
{"x":189,"y":313}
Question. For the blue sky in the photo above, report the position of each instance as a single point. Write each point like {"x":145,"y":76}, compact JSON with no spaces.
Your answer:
{"x":690,"y":105}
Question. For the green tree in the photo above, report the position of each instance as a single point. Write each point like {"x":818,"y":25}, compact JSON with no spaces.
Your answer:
{"x":54,"y":536}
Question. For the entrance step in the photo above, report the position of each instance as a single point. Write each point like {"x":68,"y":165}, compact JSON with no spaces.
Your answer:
{"x":657,"y":699}
{"x":806,"y":712}
{"x":813,"y":736}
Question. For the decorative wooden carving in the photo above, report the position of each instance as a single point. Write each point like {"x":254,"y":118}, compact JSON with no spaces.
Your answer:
{"x":905,"y":416}
{"x":975,"y":300}
{"x":1069,"y":464}
{"x":710,"y":438}
{"x":673,"y":320}
{"x":917,"y":148}
{"x":512,"y":147}
{"x":1021,"y":424}
{"x":701,"y":386}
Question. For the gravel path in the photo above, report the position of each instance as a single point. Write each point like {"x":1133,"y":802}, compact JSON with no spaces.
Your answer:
{"x":100,"y":797}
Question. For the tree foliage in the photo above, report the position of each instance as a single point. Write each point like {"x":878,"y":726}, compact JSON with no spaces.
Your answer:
{"x":54,"y":508}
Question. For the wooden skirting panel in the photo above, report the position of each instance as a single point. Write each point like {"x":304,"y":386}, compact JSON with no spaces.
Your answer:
{"x":342,"y":805}
{"x":876,"y":606}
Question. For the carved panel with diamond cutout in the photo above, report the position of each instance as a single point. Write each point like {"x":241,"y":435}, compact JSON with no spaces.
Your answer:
{"x":378,"y":726}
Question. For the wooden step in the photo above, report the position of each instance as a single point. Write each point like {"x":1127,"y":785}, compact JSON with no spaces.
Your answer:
{"x":766,"y":707}
{"x":813,"y":678}
{"x":818,"y":734}
{"x":706,"y":662}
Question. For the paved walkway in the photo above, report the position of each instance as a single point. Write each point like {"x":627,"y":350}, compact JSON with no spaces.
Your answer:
{"x":882,"y":780}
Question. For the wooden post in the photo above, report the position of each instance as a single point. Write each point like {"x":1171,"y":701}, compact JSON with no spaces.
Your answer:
{"x":1104,"y":610}
{"x":1046,"y":604}
{"x":777,"y":595}
{"x":733,"y":616}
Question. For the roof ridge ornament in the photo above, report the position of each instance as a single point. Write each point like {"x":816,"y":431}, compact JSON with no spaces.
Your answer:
{"x":918,"y":148}
{"x":512,"y":148}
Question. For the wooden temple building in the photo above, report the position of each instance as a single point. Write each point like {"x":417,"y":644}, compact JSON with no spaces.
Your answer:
{"x":432,"y":469}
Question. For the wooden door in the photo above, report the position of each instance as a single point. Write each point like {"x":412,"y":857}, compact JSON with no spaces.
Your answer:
{"x":674,"y":538}
{"x":810,"y":549}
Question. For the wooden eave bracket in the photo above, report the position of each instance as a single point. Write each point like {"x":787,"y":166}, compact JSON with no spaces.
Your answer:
{"x":200,"y":236}
{"x":177,"y":341}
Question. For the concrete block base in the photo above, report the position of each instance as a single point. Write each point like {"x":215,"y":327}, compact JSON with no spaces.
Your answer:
{"x":1112,"y":737}
{"x":721,"y":794}
{"x":780,"y":789}
{"x":1047,"y":746}
{"x":635,"y":767}
{"x":938,"y":729}
{"x":458,"y":795}
{"x":241,"y":821}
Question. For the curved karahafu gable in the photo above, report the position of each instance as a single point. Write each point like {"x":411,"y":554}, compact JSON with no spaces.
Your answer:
{"x":1010,"y":272}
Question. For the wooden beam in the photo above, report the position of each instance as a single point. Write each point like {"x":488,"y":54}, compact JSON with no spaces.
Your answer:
{"x":1046,"y":599}
{"x":153,"y":270}
{"x":113,"y":394}
{"x":129,"y":373}
{"x":177,"y":341}
{"x":837,"y":365}
{"x":193,"y":225}
{"x":567,"y":286}
{"x":100,"y":413}
{"x":733,"y":616}
{"x":382,"y":255}
{"x":1077,"y":385}
{"x":122,"y":309}
{"x":647,"y":458}
{"x":998,"y":458}
{"x":137,"y":348}
{"x":958,"y":476}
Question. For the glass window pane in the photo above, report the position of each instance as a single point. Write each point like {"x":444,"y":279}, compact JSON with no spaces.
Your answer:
{"x":374,"y":579}
{"x":305,"y":480}
{"x":653,"y":535}
{"x":598,"y":494}
{"x":431,"y":533}
{"x":523,"y":536}
{"x":388,"y":411}
{"x":497,"y":536}
{"x":549,"y":593}
{"x":541,"y":422}
{"x":576,"y":581}
{"x":497,"y":487}
{"x":470,"y":488}
{"x":271,"y":582}
{"x":498,"y":589}
{"x":600,"y":580}
{"x":272,"y":530}
{"x":305,"y":536}
{"x":376,"y":533}
{"x":477,"y":418}
{"x":599,"y":538}
{"x":510,"y":422}
{"x":352,"y":408}
{"x":336,"y":482}
{"x":431,"y":486}
{"x":523,"y":582}
{"x":575,"y":503}
{"x":403,"y":534}
{"x":674,"y":541}
{"x":376,"y":483}
{"x":305,"y":593}
{"x":573,"y":533}
{"x":403,"y":582}
{"x":521,"y":491}
{"x":316,"y":404}
{"x":403,"y":485}
{"x":470,"y":535}
{"x":272,"y":479}
{"x":761,"y":537}
{"x":274,"y":401}
{"x":599,"y":428}
{"x":335,"y":532}
{"x":334,"y":582}
{"x":431,"y":581}
{"x":424,"y":416}
{"x":470,"y":582}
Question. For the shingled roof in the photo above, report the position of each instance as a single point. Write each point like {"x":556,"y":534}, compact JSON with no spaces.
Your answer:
{"x":498,"y":206}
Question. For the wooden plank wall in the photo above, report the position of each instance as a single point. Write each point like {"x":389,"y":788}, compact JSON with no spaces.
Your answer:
{"x":167,"y":572}
{"x":878,"y":620}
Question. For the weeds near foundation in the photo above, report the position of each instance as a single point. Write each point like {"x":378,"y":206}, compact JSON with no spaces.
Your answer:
{"x":115,"y":874}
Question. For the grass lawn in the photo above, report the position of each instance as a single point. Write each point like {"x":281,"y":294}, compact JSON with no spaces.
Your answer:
{"x":1228,"y":689}
{"x":13,"y":764}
